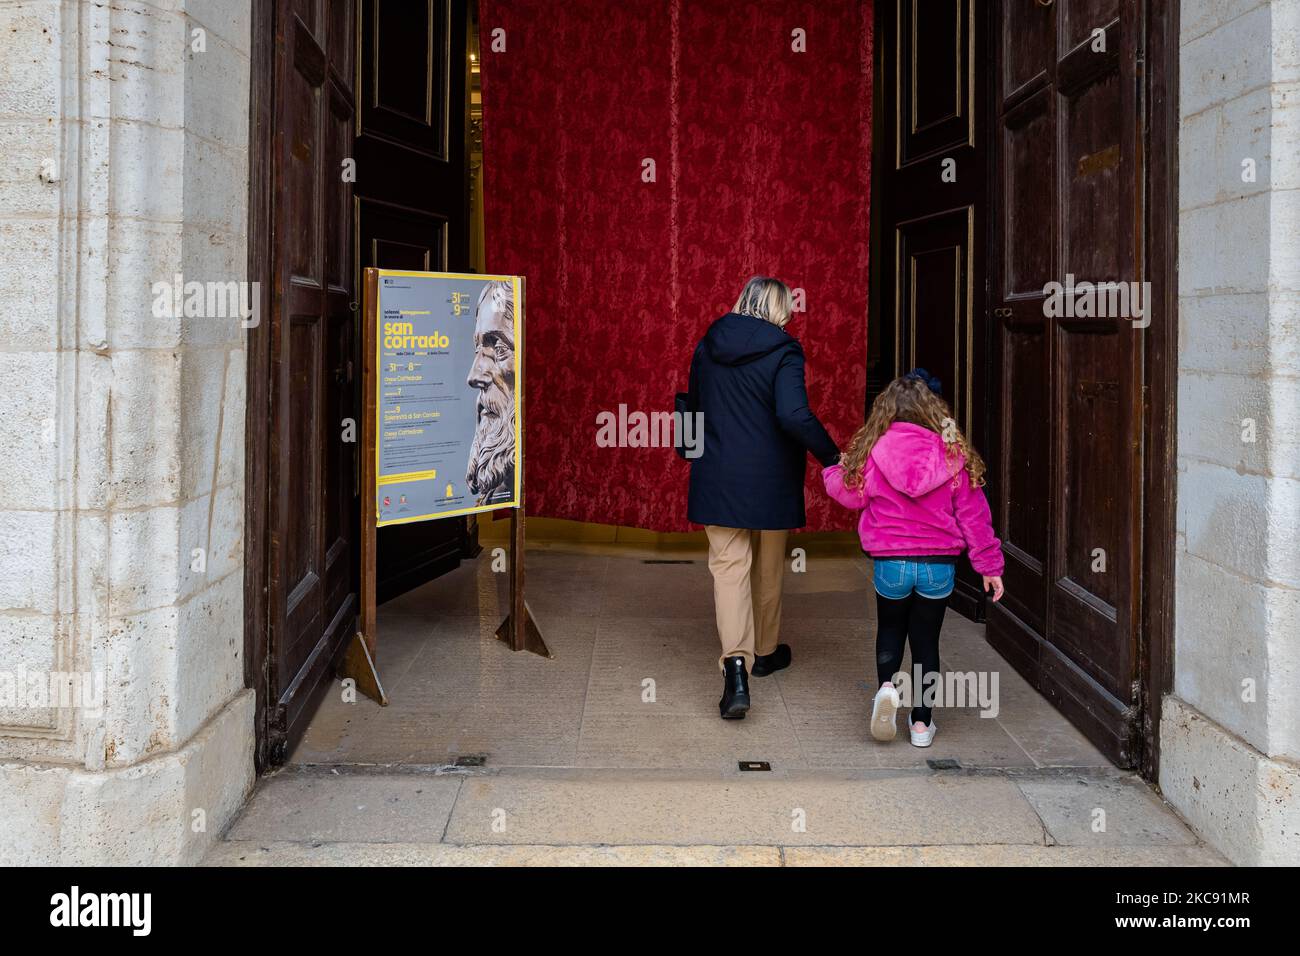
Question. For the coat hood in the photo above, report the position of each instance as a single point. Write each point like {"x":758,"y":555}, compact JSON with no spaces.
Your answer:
{"x":914,"y":460}
{"x":738,"y":339}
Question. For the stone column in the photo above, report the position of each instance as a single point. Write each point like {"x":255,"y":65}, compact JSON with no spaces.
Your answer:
{"x":121,"y":477}
{"x":1230,"y":733}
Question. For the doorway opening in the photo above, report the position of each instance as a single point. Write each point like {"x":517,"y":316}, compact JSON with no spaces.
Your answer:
{"x":1074,"y":419}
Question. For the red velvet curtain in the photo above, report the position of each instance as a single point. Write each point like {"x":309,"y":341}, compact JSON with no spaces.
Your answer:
{"x":762,"y":164}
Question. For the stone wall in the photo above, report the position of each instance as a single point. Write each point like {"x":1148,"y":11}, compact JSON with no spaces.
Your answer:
{"x":1230,"y":736}
{"x":121,"y":480}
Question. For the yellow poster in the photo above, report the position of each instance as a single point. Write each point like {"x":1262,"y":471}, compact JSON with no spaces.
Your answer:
{"x":447,"y":394}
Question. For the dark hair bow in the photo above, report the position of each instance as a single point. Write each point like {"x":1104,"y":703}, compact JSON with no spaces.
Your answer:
{"x":930,"y":381}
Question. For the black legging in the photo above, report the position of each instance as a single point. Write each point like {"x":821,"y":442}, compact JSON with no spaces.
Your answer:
{"x":916,"y":619}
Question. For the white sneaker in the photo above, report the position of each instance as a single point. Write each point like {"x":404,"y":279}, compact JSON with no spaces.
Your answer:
{"x":922,"y":738}
{"x":884,"y":709}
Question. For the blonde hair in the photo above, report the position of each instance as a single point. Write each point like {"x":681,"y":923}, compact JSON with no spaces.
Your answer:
{"x":766,"y":298}
{"x":909,"y":399}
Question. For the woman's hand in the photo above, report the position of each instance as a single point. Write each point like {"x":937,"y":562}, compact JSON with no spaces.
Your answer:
{"x":995,"y":583}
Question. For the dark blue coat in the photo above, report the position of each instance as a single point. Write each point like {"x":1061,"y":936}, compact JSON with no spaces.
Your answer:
{"x":747,"y":379}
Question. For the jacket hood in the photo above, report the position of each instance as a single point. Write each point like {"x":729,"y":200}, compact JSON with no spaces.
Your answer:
{"x":914,"y":460}
{"x":737,"y":339}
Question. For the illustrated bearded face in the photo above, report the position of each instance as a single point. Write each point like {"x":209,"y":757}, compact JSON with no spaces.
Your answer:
{"x":490,"y":474}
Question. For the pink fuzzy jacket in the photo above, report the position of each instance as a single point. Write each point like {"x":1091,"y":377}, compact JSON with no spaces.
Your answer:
{"x":915,"y":500}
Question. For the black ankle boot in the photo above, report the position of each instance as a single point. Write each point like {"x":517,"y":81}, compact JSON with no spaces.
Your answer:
{"x":765,"y":664}
{"x":735,"y":689}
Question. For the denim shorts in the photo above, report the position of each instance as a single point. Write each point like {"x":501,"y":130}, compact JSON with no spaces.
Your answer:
{"x":896,"y":578}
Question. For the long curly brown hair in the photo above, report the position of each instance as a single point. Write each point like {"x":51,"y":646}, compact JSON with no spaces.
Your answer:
{"x":909,"y":399}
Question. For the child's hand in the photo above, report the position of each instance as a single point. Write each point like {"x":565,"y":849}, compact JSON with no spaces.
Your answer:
{"x":995,"y":583}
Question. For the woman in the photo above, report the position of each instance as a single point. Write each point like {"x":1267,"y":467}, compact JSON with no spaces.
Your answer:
{"x":747,"y":380}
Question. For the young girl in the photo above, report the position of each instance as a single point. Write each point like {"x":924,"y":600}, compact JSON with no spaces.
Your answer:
{"x":917,"y":482}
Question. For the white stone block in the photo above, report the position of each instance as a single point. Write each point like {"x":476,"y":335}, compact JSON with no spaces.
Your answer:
{"x":1284,"y":271}
{"x":1218,"y":412}
{"x":1231,"y":629}
{"x":1285,"y":16}
{"x":144,"y":428}
{"x":1229,"y":334}
{"x":137,"y":816}
{"x":29,"y":649}
{"x":32,"y":171}
{"x":146,"y":259}
{"x":145,"y":559}
{"x":85,"y":265}
{"x":210,"y":652}
{"x":1214,"y":144}
{"x":1226,"y":62}
{"x":31,"y":804}
{"x":1283,"y":451}
{"x":226,"y":542}
{"x":1230,"y":253}
{"x":216,"y":91}
{"x":148,"y":165}
{"x":1282,"y":609}
{"x":29,"y":476}
{"x":169,"y":669}
{"x":216,"y":191}
{"x":202,"y":393}
{"x":30,"y":68}
{"x":147,"y":64}
{"x":231,"y":468}
{"x":1238,"y":521}
{"x":1241,"y":802}
{"x":27,"y":573}
{"x":84,"y":430}
{"x":1284,"y":135}
{"x":29,"y":281}
{"x":231,"y":21}
{"x":137,"y":654}
{"x":212,"y":525}
{"x":210,"y":254}
{"x":89,"y":573}
{"x":1199,"y":17}
{"x":193,"y":547}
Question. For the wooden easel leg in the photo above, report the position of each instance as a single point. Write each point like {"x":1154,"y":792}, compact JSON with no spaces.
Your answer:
{"x":530,"y":640}
{"x":519,"y":630}
{"x":360,"y":666}
{"x":359,"y":659}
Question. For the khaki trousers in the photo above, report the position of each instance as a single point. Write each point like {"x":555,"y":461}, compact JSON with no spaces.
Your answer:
{"x":747,"y":568}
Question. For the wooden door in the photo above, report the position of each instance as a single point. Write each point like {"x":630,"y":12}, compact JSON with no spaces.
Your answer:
{"x":413,"y":201}
{"x":311,"y":530}
{"x":1068,"y":470}
{"x":929,"y":188}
